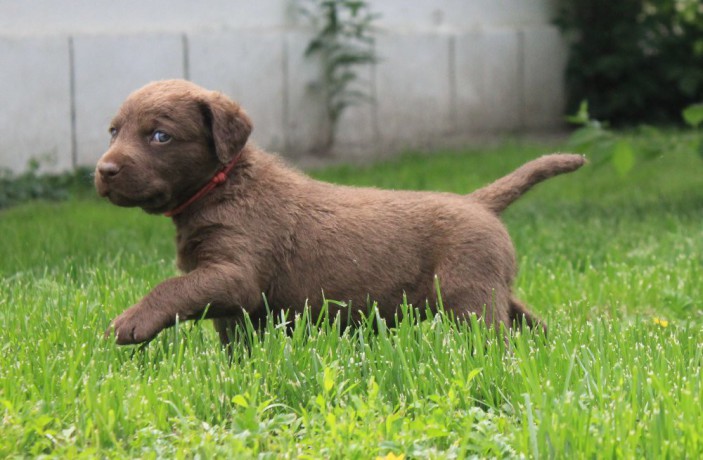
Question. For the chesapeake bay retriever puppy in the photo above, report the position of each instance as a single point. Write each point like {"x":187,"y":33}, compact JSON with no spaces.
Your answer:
{"x":251,"y":229}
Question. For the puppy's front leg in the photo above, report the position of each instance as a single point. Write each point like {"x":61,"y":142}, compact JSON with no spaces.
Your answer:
{"x":185,"y":297}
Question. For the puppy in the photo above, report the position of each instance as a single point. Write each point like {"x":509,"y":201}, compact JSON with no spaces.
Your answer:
{"x":252,"y":230}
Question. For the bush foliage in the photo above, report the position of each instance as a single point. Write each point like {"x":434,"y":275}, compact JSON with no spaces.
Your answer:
{"x":32,"y":185}
{"x":622,"y":149}
{"x":635,"y":61}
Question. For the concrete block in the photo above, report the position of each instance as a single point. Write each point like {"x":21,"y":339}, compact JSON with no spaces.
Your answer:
{"x":306,"y":119}
{"x":138,"y":16}
{"x":460,"y":15}
{"x":499,"y":13}
{"x":546,"y":54}
{"x":357,"y":125}
{"x":489,"y":81}
{"x":107,"y":69}
{"x":35,"y":104}
{"x":469,"y":81}
{"x":248,"y":66}
{"x":413,"y":89}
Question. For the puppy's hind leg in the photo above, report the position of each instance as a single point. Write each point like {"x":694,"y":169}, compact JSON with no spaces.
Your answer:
{"x":238,"y":330}
{"x":225,"y":328}
{"x":519,"y":313}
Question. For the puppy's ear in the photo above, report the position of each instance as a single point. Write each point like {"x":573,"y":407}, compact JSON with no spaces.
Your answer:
{"x":229,"y":124}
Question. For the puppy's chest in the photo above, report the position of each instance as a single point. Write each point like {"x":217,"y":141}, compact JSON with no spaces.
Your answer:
{"x":208,"y":244}
{"x":190,"y":248}
{"x":185,"y":259}
{"x":184,"y":263}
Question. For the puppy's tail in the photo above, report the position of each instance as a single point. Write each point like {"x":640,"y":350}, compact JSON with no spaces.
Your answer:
{"x":500,"y":194}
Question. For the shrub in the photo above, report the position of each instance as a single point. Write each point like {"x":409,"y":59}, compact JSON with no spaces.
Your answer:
{"x":623,"y":149}
{"x":31,"y":185}
{"x":635,"y":61}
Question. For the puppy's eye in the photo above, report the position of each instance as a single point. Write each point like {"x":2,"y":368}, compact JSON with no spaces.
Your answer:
{"x":113,"y":132}
{"x":160,"y":137}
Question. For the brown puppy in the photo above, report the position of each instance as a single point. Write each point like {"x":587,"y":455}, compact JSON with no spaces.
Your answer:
{"x":261,"y":230}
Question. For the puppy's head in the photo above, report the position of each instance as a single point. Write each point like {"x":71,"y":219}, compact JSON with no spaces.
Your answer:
{"x":167,"y":140}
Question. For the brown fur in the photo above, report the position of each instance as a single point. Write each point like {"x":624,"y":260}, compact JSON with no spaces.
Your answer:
{"x":272,"y":232}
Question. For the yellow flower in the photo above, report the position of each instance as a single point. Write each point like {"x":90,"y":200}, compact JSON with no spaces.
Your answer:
{"x":661,"y":322}
{"x":391,"y":456}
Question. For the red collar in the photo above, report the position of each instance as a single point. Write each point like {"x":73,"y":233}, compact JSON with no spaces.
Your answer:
{"x":216,"y":180}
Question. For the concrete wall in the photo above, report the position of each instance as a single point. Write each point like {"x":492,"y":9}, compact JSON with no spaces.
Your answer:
{"x":450,"y":70}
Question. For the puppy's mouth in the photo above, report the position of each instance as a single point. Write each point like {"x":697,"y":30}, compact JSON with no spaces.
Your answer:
{"x":148,"y":196}
{"x":151,"y":202}
{"x":156,"y":204}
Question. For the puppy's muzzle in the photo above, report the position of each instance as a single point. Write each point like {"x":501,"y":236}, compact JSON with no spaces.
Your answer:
{"x":108,"y":170}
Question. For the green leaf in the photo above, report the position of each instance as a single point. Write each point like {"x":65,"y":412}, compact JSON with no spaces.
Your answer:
{"x":623,"y":158}
{"x":584,"y":138}
{"x":581,"y":117}
{"x":473,"y":374}
{"x":240,"y":400}
{"x":693,"y":115}
{"x":328,"y":379}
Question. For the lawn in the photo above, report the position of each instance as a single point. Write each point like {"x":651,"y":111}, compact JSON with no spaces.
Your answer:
{"x":614,"y":264}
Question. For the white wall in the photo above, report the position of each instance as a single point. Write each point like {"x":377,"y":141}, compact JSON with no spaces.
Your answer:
{"x":449,"y":69}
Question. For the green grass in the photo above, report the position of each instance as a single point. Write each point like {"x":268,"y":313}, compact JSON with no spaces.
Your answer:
{"x":601,"y":257}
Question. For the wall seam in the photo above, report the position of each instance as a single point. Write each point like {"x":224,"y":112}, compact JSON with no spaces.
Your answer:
{"x":375,"y":129}
{"x":453,"y":89}
{"x":72,"y":97}
{"x":521,"y":79}
{"x":186,"y":56}
{"x":286,"y":96}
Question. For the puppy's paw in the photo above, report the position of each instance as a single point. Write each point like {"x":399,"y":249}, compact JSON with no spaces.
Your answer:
{"x":136,"y":325}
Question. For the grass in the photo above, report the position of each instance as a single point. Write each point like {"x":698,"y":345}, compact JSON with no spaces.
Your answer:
{"x":614,"y":264}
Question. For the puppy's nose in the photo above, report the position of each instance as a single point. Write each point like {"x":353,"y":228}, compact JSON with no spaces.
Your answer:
{"x":108,"y":169}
